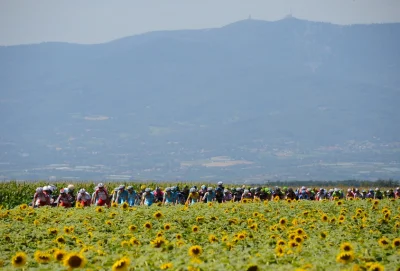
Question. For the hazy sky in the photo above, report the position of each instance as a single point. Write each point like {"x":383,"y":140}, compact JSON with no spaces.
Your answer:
{"x":95,"y":21}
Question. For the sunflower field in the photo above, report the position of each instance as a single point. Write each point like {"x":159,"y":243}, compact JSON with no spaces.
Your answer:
{"x":252,"y":235}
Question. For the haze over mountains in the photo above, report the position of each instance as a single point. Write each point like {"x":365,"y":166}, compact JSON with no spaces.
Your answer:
{"x":253,"y":100}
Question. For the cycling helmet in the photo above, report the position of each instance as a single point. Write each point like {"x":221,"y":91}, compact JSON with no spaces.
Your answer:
{"x":168,"y":189}
{"x":147,"y":190}
{"x":82,"y":191}
{"x":71,"y":187}
{"x":220,"y":183}
{"x":192,"y":190}
{"x":246,"y":191}
{"x":39,"y":190}
{"x":209,"y":188}
{"x":100,"y":185}
{"x":130,"y":187}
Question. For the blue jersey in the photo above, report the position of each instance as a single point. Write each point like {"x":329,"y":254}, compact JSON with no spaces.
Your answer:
{"x":122,"y":196}
{"x":209,"y":196}
{"x":148,"y":199}
{"x":169,"y":197}
{"x":132,"y":198}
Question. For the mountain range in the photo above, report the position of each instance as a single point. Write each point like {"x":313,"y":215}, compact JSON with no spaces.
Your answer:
{"x":253,"y":100}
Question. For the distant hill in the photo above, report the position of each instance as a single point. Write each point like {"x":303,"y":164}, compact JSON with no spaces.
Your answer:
{"x":274,"y":94}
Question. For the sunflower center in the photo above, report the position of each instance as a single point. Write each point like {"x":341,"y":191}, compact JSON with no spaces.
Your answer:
{"x":74,"y":261}
{"x":59,"y":256}
{"x":346,"y":257}
{"x":18,"y":259}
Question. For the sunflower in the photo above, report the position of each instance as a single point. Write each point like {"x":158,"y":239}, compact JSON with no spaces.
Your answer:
{"x":23,"y":207}
{"x":323,"y":235}
{"x":339,"y":203}
{"x":132,"y":228}
{"x":279,"y":251}
{"x":341,"y":218}
{"x":195,"y":251}
{"x":345,"y":257}
{"x":300,"y":231}
{"x":60,"y":240}
{"x":241,"y":236}
{"x":280,"y":242}
{"x":256,"y":214}
{"x":52,"y":231}
{"x":85,"y":249}
{"x":112,"y":215}
{"x":253,"y":226}
{"x":125,"y":206}
{"x":67,"y":230}
{"x":233,"y":221}
{"x":324,"y":218}
{"x":212,"y":238}
{"x":199,"y":219}
{"x":42,"y":257}
{"x":178,"y":236}
{"x":299,"y":239}
{"x":167,"y":226}
{"x":121,"y":265}
{"x":195,"y":228}
{"x":158,"y":215}
{"x":114,"y":204}
{"x":147,"y":225}
{"x":346,"y":247}
{"x":99,"y":209}
{"x":292,"y":236}
{"x":166,"y":266}
{"x":180,"y":243}
{"x":376,"y":267}
{"x":134,"y":242}
{"x":74,"y":260}
{"x":292,"y":244}
{"x":283,"y":221}
{"x":213,"y":218}
{"x":396,"y":242}
{"x":209,"y":204}
{"x":108,"y":222}
{"x":19,"y":259}
{"x":253,"y":267}
{"x":125,"y":244}
{"x":160,"y":234}
{"x":59,"y":255}
{"x":383,"y":242}
{"x":158,"y":242}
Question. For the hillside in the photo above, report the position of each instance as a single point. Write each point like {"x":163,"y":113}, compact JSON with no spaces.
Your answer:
{"x":251,"y":100}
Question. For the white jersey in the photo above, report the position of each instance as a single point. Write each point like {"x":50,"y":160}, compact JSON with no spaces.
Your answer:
{"x":85,"y":197}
